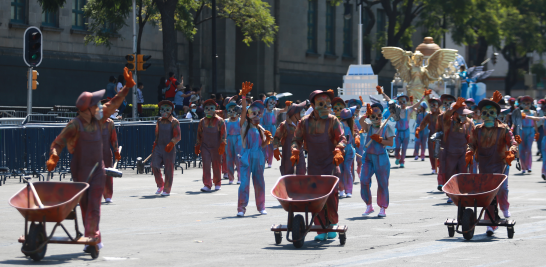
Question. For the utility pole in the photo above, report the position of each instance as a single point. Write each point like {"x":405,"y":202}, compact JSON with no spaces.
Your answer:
{"x":134,"y":109}
{"x":360,"y":33}
{"x":214,"y":55}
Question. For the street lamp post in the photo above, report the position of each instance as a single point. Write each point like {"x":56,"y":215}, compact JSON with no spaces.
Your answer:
{"x":214,"y":56}
{"x":348,"y":15}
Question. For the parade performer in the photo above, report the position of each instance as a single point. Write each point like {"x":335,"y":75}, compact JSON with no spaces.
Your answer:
{"x":233,"y":129}
{"x":493,"y":146}
{"x":283,"y":138}
{"x":376,"y":159}
{"x":321,"y":135}
{"x":430,"y":120}
{"x":83,"y":138}
{"x":359,"y":136}
{"x":447,"y":100}
{"x":527,"y":134}
{"x":167,"y":135}
{"x":402,"y":125}
{"x":346,"y":174}
{"x":211,"y":144}
{"x":337,"y":105}
{"x":457,"y":129}
{"x":420,"y":140}
{"x":224,"y":115}
{"x":254,"y":138}
{"x":109,"y":137}
{"x":268,"y":121}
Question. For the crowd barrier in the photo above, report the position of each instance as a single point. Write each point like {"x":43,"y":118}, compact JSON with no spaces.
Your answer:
{"x":24,"y":149}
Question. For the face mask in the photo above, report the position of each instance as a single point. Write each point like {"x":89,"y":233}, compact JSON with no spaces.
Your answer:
{"x":98,"y":114}
{"x":323,"y":106}
{"x":210,"y":110}
{"x":376,"y":117}
{"x":231,"y":112}
{"x":337,"y":109}
{"x":434,"y":107}
{"x":194,"y":110}
{"x":254,"y":115}
{"x":271,"y":105}
{"x":402,"y":101}
{"x":525,"y":105}
{"x":489,"y":114}
{"x":447,"y":104}
{"x":166,"y":111}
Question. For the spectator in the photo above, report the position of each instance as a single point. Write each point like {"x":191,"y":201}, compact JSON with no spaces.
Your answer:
{"x":219,"y":101}
{"x":200,"y":111}
{"x":111,"y":87}
{"x":172,"y":83}
{"x":121,"y":83}
{"x":140,"y":98}
{"x":192,"y":114}
{"x":187,"y":90}
{"x":213,"y":96}
{"x":261,"y":96}
{"x":160,"y":87}
{"x":179,"y":98}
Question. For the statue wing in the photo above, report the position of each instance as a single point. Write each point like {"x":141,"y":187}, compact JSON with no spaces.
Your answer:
{"x":438,"y":62}
{"x":399,"y":59}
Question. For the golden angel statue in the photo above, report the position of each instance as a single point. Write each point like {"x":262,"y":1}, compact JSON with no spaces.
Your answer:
{"x":414,"y":72}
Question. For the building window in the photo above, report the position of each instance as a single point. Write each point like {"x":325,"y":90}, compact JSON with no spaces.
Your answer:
{"x":381,"y":28}
{"x":312,"y":27}
{"x":19,"y":11}
{"x":50,"y":19}
{"x":348,"y":34}
{"x":78,"y":19}
{"x":330,"y":29}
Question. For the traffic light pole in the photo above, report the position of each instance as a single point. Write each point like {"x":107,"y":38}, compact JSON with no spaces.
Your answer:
{"x":29,"y":88}
{"x":134,"y":109}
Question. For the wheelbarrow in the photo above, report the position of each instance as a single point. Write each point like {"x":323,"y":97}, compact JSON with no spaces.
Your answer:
{"x":305,"y":193}
{"x":58,"y":202}
{"x":472,"y":191}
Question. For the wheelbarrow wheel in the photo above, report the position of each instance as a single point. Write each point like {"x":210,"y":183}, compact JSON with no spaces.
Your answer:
{"x":36,"y":237}
{"x":451,"y":231}
{"x":510,"y":232}
{"x":342,"y":238}
{"x":467,"y":223}
{"x":298,"y":231}
{"x":94,"y":252}
{"x":278,"y":238}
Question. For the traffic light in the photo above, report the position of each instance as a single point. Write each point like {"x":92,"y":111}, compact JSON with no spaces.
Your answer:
{"x":32,"y":47}
{"x":141,"y":62}
{"x":130,"y":62}
{"x":34,"y":79}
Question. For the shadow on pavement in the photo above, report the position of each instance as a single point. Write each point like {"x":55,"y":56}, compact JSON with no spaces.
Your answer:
{"x":444,"y":204}
{"x":481,"y":238}
{"x":49,"y":260}
{"x":363,"y":218}
{"x":275,"y":207}
{"x":200,"y":192}
{"x":151,"y":197}
{"x":435,"y":192}
{"x":308,"y":245}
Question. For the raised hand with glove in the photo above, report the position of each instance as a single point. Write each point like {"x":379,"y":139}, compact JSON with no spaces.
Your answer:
{"x":460,"y":103}
{"x":128,"y":76}
{"x":247,"y":87}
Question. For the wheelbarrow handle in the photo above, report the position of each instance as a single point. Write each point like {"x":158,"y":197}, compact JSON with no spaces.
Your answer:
{"x":36,"y":197}
{"x":92,"y":171}
{"x":116,"y":164}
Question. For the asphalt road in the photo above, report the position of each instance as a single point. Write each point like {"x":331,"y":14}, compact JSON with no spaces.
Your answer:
{"x":191,"y":228}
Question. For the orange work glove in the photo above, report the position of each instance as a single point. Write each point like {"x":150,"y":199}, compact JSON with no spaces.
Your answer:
{"x":277,"y":154}
{"x":379,"y":89}
{"x":459,"y":103}
{"x":197,"y":150}
{"x":117,"y":155}
{"x":469,"y":156}
{"x":338,"y":157}
{"x":357,"y":141}
{"x":247,"y":87}
{"x":360,"y":97}
{"x":369,"y":110}
{"x":377,"y":138}
{"x":518,"y":139}
{"x":268,"y":137}
{"x":52,"y":162}
{"x":411,"y":99}
{"x":288,"y":103}
{"x":295,"y":158}
{"x":509,"y":157}
{"x":129,"y":82}
{"x":537,"y":136}
{"x":169,"y":147}
{"x":222,"y":148}
{"x":523,"y":115}
{"x":417,"y":130}
{"x":428,"y":92}
{"x":497,"y":96}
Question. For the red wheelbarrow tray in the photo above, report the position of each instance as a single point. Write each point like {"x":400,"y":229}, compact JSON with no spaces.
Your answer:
{"x":59,"y":199}
{"x":296,"y":192}
{"x":467,"y":189}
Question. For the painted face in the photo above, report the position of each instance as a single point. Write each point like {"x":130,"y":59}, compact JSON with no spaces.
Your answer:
{"x":433,"y":106}
{"x":502,"y":117}
{"x":99,"y":112}
{"x":377,"y":116}
{"x":489,"y":114}
{"x":337,"y":109}
{"x":447,"y":103}
{"x":232,"y":112}
{"x":165,"y":111}
{"x":271,"y":104}
{"x":525,"y":105}
{"x":210,"y":110}
{"x":357,"y":113}
{"x":322,"y":106}
{"x":402,"y":101}
{"x":254,"y":115}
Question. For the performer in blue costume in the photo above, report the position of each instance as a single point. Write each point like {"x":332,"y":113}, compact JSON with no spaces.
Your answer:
{"x":269,"y":123}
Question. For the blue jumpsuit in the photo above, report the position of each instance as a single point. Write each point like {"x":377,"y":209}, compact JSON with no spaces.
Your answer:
{"x":421,"y":142}
{"x":268,"y":122}
{"x":234,"y":145}
{"x":252,"y":159}
{"x":527,"y":138}
{"x":402,"y":137}
{"x":359,"y":150}
{"x":376,"y":162}
{"x":345,"y":168}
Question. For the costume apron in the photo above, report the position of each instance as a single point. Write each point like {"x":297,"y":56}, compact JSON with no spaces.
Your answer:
{"x":455,"y":152}
{"x":162,"y":157}
{"x":87,"y":153}
{"x":286,"y":165}
{"x":107,"y":157}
